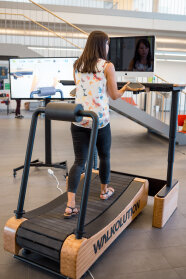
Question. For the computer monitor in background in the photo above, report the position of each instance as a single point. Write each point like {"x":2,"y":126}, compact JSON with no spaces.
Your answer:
{"x":132,"y":56}
{"x":39,"y":78}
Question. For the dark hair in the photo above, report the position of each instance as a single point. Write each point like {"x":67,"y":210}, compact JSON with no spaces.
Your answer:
{"x":95,"y":48}
{"x":137,"y":56}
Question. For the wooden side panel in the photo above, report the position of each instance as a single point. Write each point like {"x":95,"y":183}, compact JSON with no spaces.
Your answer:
{"x":164,"y":207}
{"x":9,"y":235}
{"x":68,"y":257}
{"x":94,"y":247}
{"x":84,"y":254}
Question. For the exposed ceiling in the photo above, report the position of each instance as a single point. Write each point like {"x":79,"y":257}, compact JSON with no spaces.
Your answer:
{"x":169,"y":44}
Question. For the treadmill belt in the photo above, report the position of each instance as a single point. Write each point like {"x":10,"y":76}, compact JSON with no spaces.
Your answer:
{"x":46,"y":226}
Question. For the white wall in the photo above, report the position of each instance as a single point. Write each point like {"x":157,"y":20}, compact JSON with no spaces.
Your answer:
{"x":173,"y":72}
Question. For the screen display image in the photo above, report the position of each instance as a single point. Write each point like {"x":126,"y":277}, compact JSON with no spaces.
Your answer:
{"x":3,"y":72}
{"x":39,"y":78}
{"x":132,"y":54}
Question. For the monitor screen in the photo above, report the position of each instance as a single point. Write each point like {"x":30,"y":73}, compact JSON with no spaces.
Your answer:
{"x":40,"y":78}
{"x":132,"y":54}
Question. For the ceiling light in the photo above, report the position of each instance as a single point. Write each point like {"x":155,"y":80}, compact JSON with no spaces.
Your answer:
{"x":170,"y":54}
{"x":170,"y":60}
{"x":42,"y":33}
{"x":170,"y":40}
{"x":55,"y":48}
{"x":171,"y":49}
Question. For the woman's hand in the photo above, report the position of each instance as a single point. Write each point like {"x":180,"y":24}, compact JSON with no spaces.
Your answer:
{"x":126,"y":87}
{"x":136,"y":86}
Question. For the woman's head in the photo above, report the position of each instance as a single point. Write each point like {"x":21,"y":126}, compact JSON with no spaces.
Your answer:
{"x":143,"y":51}
{"x":95,"y":48}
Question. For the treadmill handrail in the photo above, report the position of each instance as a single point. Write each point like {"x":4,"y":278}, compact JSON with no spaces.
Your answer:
{"x":88,"y":172}
{"x":19,"y":212}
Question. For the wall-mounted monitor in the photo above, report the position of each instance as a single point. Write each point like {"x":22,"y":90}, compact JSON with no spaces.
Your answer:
{"x":132,"y":56}
{"x":40,"y":78}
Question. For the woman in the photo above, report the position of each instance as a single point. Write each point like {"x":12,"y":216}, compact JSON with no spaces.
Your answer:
{"x":95,"y":82}
{"x":142,"y":57}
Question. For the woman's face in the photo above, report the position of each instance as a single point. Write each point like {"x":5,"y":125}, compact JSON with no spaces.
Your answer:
{"x":143,"y":50}
{"x":107,"y":47}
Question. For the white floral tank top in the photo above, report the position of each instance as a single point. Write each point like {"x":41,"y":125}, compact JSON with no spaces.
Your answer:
{"x":91,"y":92}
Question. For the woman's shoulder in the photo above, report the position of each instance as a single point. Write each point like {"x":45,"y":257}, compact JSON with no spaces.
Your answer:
{"x":109,"y":66}
{"x":103,"y":61}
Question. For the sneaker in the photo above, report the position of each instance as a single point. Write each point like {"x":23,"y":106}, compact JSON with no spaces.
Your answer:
{"x":19,"y":116}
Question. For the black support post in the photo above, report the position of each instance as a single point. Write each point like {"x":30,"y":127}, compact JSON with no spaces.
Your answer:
{"x":172,"y":136}
{"x":48,"y":139}
{"x":19,"y":212}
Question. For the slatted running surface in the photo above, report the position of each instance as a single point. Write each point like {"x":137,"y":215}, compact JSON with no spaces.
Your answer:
{"x":46,"y":228}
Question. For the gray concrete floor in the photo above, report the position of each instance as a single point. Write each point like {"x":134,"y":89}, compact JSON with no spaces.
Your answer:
{"x":141,"y":251}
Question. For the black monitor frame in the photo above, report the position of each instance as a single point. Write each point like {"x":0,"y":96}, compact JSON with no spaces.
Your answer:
{"x":131,"y":72}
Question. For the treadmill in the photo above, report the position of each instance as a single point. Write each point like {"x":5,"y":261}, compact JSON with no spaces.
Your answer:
{"x":68,"y":247}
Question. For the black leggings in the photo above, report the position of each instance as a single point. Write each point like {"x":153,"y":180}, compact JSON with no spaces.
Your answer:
{"x":18,"y":107}
{"x":81,"y":138}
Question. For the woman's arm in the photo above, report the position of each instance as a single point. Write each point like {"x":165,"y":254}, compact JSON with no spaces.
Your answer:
{"x":112,"y":89}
